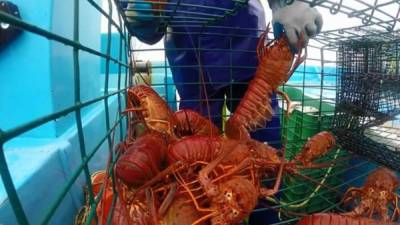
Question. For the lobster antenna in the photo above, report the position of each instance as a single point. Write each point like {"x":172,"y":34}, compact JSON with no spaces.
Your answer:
{"x":202,"y":82}
{"x":188,"y":122}
{"x":300,"y":59}
{"x":320,"y":183}
{"x":180,"y":180}
{"x":280,"y":209}
{"x":202,"y":219}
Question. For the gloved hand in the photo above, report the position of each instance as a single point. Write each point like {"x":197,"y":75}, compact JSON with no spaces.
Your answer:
{"x":294,"y":19}
{"x":143,"y":23}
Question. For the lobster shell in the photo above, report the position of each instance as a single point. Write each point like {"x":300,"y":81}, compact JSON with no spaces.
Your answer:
{"x":150,"y":107}
{"x":143,"y":159}
{"x":274,"y":69}
{"x":335,"y":219}
{"x":316,"y":146}
{"x":181,"y":213}
{"x":241,"y":202}
{"x":190,"y":122}
{"x":194,"y":148}
{"x":382,"y":179}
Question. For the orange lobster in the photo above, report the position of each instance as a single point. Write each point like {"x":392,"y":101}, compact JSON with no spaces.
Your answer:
{"x":318,"y":145}
{"x":138,"y":211}
{"x":336,"y":219}
{"x":372,"y":209}
{"x":274,"y":69}
{"x":208,"y":168}
{"x":378,"y":192}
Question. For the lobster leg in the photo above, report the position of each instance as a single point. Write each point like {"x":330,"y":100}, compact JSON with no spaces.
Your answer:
{"x":353,"y":192}
{"x":396,"y":211}
{"x":133,"y":109}
{"x":184,"y":185}
{"x":287,"y":99}
{"x":300,"y":59}
{"x":204,"y":218}
{"x":168,"y":171}
{"x":151,"y":204}
{"x":371,"y":212}
{"x":168,"y":200}
{"x":364,"y":207}
{"x":269,"y":192}
{"x":242,"y":165}
{"x":260,"y":45}
{"x":204,"y":179}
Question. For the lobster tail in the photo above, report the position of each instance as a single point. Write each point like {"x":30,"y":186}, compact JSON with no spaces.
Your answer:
{"x":142,"y":160}
{"x":190,"y":122}
{"x":253,"y":112}
{"x":235,"y":130}
{"x":330,"y":219}
{"x":194,"y":148}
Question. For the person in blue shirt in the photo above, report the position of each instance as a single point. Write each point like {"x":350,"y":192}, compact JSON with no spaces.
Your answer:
{"x":216,"y":61}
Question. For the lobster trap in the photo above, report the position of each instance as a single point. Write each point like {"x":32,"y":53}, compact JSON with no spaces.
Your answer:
{"x":349,"y":84}
{"x":368,"y":102}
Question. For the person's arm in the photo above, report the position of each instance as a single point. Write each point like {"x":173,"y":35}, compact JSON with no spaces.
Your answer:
{"x":294,"y":19}
{"x":143,"y":24}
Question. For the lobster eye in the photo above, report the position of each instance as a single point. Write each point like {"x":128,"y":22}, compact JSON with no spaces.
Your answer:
{"x":371,"y":191}
{"x":228,"y":195}
{"x":235,"y":212}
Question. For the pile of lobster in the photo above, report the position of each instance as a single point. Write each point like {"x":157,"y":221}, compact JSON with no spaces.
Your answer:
{"x":183,"y":171}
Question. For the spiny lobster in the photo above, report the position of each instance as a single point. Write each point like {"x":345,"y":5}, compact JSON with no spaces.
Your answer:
{"x":378,"y":192}
{"x":274,"y":69}
{"x":213,"y":169}
{"x":374,"y":198}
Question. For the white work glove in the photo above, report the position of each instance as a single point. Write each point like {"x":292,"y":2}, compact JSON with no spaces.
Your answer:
{"x":294,"y":19}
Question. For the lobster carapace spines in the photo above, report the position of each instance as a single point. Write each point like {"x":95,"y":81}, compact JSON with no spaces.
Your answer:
{"x":377,"y":193}
{"x":276,"y":64}
{"x":147,"y":105}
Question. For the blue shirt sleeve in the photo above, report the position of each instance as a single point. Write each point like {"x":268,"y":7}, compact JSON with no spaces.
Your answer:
{"x":144,"y":24}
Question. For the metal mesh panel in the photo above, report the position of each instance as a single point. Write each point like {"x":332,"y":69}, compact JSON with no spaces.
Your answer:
{"x":112,"y":126}
{"x":368,"y":99}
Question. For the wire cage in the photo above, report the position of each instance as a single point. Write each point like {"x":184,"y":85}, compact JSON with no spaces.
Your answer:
{"x":368,"y":98}
{"x":92,"y":122}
